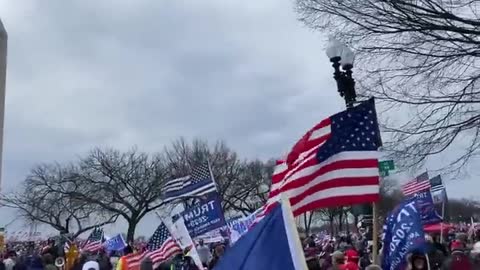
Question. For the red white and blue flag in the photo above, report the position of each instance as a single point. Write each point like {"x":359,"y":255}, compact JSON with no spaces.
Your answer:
{"x":419,"y":184}
{"x":335,"y":163}
{"x":95,"y":240}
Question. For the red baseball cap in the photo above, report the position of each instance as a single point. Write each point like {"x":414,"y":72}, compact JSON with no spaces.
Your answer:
{"x":457,"y":245}
{"x":351,"y":254}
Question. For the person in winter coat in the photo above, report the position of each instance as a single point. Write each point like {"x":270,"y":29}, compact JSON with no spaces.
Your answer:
{"x":475,"y":255}
{"x":203,"y":252}
{"x":217,"y":254}
{"x":435,"y":254}
{"x":183,"y":262}
{"x":80,"y":261}
{"x":373,"y":267}
{"x":10,"y":260}
{"x":338,"y":261}
{"x":146,"y":264}
{"x":104,"y":261}
{"x":417,"y":261}
{"x":48,"y":262}
{"x":352,"y":259}
{"x":458,"y":260}
{"x":34,"y":262}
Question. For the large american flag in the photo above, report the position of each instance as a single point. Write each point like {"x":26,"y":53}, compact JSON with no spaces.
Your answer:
{"x":199,"y":183}
{"x":160,"y":247}
{"x":335,"y":163}
{"x":420,"y":183}
{"x":95,"y":241}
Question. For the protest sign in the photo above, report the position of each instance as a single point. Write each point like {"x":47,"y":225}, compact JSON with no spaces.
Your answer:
{"x":403,"y":234}
{"x":116,"y":243}
{"x":205,"y":217}
{"x":426,"y":208}
{"x":240,"y":226}
{"x":179,"y":231}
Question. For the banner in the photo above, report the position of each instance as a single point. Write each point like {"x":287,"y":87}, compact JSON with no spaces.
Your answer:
{"x":403,"y":234}
{"x":205,"y":217}
{"x":116,"y":243}
{"x":426,"y":208}
{"x":240,"y":226}
{"x":180,"y":233}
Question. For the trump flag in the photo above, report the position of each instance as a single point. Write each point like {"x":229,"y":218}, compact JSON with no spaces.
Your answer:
{"x":272,"y":244}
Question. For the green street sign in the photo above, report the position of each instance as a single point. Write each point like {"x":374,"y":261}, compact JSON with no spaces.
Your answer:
{"x":386,"y":165}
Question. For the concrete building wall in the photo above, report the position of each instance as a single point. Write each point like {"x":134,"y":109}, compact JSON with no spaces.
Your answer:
{"x":3,"y":75}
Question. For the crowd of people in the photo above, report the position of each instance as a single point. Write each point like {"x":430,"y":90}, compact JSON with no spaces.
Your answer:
{"x":345,"y":252}
{"x":353,"y":252}
{"x":42,"y":255}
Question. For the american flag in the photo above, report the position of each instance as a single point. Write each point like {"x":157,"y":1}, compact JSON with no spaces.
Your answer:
{"x":199,"y":183}
{"x":95,"y":241}
{"x":420,"y":183}
{"x":335,"y":163}
{"x":160,"y":247}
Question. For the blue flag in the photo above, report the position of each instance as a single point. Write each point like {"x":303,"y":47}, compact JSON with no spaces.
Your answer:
{"x":403,"y":234}
{"x":273,"y":243}
{"x":426,"y":207}
{"x":205,"y":217}
{"x":115,"y":243}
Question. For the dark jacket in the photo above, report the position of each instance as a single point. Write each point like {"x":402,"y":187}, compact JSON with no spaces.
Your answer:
{"x":213,"y":262}
{"x":183,"y":263}
{"x":457,"y":261}
{"x":146,"y":264}
{"x":105,"y":263}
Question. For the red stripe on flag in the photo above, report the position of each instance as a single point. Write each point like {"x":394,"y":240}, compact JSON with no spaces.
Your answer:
{"x":414,"y":187}
{"x":343,"y":179}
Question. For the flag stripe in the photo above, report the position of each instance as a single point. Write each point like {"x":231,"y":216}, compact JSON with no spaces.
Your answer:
{"x":168,"y":249}
{"x":413,"y":187}
{"x":95,"y":241}
{"x":437,"y":188}
{"x":161,"y":246}
{"x":199,"y":183}
{"x":319,"y":173}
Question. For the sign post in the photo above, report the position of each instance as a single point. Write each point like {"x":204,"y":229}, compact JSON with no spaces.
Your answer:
{"x":384,"y":168}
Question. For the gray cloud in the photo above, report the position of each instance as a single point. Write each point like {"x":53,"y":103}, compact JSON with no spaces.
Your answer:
{"x":122,"y":73}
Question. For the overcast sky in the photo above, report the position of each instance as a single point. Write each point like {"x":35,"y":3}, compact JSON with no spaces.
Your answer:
{"x":85,"y":73}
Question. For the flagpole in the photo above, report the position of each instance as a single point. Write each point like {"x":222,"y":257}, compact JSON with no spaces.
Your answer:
{"x":375,"y":233}
{"x":441,"y":224}
{"x":211,"y":173}
{"x":298,"y":256}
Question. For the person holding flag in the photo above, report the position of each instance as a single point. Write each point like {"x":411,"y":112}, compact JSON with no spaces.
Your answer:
{"x":183,"y":262}
{"x":404,"y":237}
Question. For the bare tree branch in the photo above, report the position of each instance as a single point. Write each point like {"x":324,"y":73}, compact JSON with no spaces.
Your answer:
{"x":39,"y":201}
{"x":419,"y":58}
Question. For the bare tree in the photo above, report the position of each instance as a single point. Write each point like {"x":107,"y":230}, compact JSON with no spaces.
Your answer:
{"x":39,"y":201}
{"x":128,"y":184}
{"x":250,"y":190}
{"x":390,"y":196}
{"x":329,"y":215}
{"x":238,"y":182}
{"x":422,"y":59}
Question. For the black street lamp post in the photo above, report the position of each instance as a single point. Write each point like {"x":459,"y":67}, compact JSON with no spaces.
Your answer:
{"x":342,"y":59}
{"x":342,"y":56}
